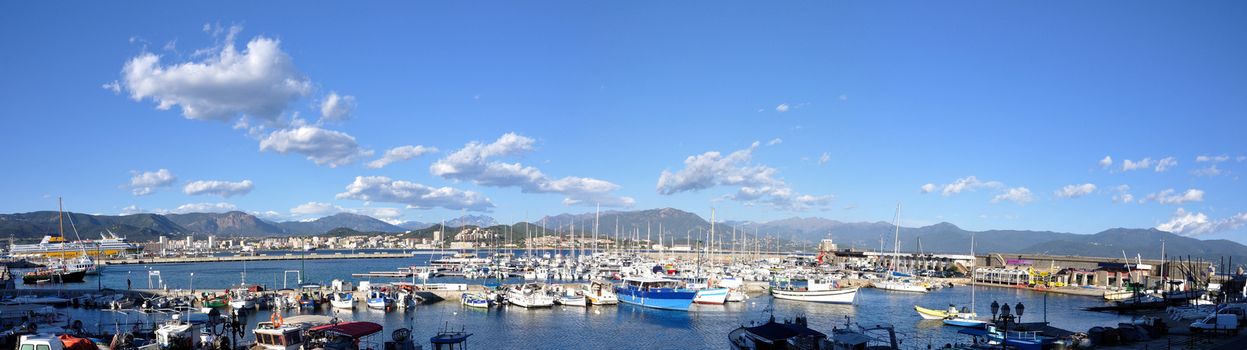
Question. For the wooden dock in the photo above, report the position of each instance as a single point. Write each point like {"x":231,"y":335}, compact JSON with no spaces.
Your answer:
{"x":260,"y":257}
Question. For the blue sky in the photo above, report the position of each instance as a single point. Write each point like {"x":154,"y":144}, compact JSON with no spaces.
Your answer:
{"x":976,"y":113}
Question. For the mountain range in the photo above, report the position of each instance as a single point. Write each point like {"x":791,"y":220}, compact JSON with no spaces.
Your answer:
{"x":798,"y":232}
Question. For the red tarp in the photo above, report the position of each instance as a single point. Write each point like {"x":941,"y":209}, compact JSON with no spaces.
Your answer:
{"x":350,"y":329}
{"x":74,"y":343}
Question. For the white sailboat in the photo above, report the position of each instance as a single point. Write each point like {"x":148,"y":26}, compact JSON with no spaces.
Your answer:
{"x":967,"y":319}
{"x":896,"y":281}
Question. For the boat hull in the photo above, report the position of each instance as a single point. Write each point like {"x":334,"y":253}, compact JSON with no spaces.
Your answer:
{"x":667,"y":299}
{"x":711,"y":296}
{"x":965,"y":322}
{"x":839,"y":296}
{"x":901,"y":287}
{"x":66,"y":277}
{"x":930,"y":314}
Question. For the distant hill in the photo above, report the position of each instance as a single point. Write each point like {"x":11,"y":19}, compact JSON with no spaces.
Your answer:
{"x":673,"y":221}
{"x":231,"y":223}
{"x":31,"y":227}
{"x":362,"y":223}
{"x":678,"y":224}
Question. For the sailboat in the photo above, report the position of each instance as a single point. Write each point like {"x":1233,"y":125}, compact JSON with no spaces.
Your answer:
{"x":968,"y":319}
{"x":895,"y":280}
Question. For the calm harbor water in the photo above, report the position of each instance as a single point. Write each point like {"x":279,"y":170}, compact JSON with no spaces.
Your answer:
{"x":620,"y":326}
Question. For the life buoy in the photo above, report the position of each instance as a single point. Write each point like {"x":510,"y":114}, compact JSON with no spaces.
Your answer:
{"x":276,"y":320}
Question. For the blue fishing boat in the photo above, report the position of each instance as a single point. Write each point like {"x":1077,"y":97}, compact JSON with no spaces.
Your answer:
{"x":657,"y":293}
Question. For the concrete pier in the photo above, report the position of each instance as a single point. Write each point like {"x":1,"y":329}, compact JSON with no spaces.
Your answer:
{"x":260,"y":257}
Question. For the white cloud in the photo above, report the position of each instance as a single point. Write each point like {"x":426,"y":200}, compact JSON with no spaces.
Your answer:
{"x":318,"y":209}
{"x":1123,"y":195}
{"x":824,"y":158}
{"x":1019,"y":195}
{"x":399,"y":154}
{"x":1213,"y":159}
{"x":269,"y":215}
{"x":969,"y":183}
{"x":145,"y":183}
{"x":383,"y":189}
{"x":1106,"y":162}
{"x":1240,"y":158}
{"x":114,"y":86}
{"x":782,"y":107}
{"x":1210,"y":171}
{"x":260,"y":81}
{"x":1128,"y":165}
{"x":200,"y":208}
{"x":1165,"y":164}
{"x":220,"y":188}
{"x":774,"y":141}
{"x":756,"y":183}
{"x":1170,"y":196}
{"x":337,"y":107}
{"x":928,"y":188}
{"x":1192,"y":224}
{"x":131,"y":209}
{"x":315,"y":209}
{"x":474,"y":162}
{"x":1075,"y":191}
{"x":322,"y":146}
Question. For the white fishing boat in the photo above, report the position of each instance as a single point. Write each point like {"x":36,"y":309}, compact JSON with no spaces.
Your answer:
{"x":342,"y":300}
{"x":901,"y":285}
{"x":529,"y":296}
{"x":286,"y":334}
{"x":572,"y":299}
{"x":818,"y":291}
{"x":476,"y":300}
{"x":178,"y":334}
{"x":601,"y":293}
{"x":378,"y":300}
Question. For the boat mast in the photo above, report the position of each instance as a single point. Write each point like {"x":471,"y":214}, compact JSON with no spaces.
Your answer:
{"x":60,"y":216}
{"x":973,"y":261}
{"x":896,"y":238}
{"x":596,"y":215}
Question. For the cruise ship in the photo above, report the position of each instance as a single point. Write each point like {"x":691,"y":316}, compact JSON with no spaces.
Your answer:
{"x":56,"y":247}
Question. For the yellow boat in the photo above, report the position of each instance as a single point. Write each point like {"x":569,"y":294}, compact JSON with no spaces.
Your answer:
{"x":931,"y":314}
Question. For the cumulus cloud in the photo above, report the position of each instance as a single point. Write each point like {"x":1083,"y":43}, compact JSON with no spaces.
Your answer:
{"x":320,"y":209}
{"x":1106,"y":162}
{"x":1212,"y":159}
{"x":774,"y":141}
{"x":1128,"y":165}
{"x":755,"y":183}
{"x":1075,"y":191}
{"x":131,"y":209}
{"x":928,"y":188}
{"x":1170,"y":196}
{"x":414,"y":195}
{"x":399,"y":154}
{"x":969,"y":183}
{"x":220,"y":188}
{"x":145,"y":183}
{"x":1123,"y":195}
{"x":476,"y":162}
{"x":1019,"y":195}
{"x":1210,"y":171}
{"x":782,"y":107}
{"x":1166,"y":163}
{"x":200,"y":208}
{"x":259,"y":81}
{"x":1193,"y":224}
{"x":824,"y":158}
{"x":337,"y":107}
{"x":321,"y":146}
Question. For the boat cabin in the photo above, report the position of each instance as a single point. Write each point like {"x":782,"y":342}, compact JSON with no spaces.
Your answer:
{"x":652,"y":284}
{"x":773,"y":335}
{"x":287,"y":334}
{"x":450,"y":340}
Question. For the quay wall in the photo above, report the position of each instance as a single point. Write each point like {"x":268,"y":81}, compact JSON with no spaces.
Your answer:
{"x":260,"y":257}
